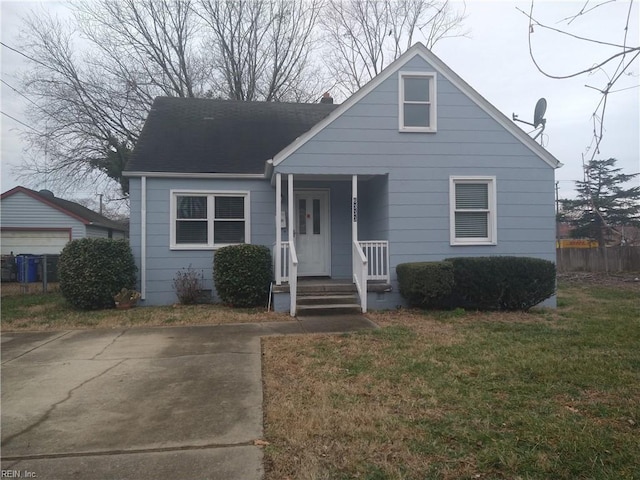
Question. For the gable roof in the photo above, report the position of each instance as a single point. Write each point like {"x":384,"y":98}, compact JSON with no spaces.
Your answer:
{"x":72,"y":209}
{"x":225,"y":137}
{"x":441,"y":68}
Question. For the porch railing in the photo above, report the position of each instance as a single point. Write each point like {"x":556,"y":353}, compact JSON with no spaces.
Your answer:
{"x":375,"y":251}
{"x":360,"y":273}
{"x":282,"y":270}
{"x":377,"y":255}
{"x":293,"y":278}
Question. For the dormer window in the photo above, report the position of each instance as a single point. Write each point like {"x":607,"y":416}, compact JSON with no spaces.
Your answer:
{"x":417,"y":102}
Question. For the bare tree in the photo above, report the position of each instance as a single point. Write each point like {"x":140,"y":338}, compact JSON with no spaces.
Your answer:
{"x":364,"y":36}
{"x":93,"y":79}
{"x":261,"y":48}
{"x":621,"y":55}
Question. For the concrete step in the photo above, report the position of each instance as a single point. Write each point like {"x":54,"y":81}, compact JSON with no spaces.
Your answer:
{"x":328,"y":309}
{"x":325,"y":289}
{"x":327,"y":298}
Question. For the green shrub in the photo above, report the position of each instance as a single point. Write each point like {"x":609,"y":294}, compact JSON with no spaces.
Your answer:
{"x":425,"y":284}
{"x":242,"y":274}
{"x":501,"y":283}
{"x":93,"y":270}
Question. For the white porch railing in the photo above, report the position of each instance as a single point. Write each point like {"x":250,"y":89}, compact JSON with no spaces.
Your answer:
{"x":377,"y":255}
{"x":282,"y":270}
{"x":293,"y":278}
{"x":359,"y":264}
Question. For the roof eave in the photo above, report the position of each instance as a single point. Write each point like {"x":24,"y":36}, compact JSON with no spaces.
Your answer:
{"x":245,"y":176}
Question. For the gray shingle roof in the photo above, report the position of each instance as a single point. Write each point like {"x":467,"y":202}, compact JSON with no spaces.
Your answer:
{"x":196,"y":135}
{"x":76,"y":210}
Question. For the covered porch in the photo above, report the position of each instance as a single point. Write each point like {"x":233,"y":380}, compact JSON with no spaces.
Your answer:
{"x":331,"y":228}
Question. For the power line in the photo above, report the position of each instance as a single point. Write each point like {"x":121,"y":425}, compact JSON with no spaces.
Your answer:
{"x":35,"y":130}
{"x":23,"y":54}
{"x":21,"y":123}
{"x":24,"y":96}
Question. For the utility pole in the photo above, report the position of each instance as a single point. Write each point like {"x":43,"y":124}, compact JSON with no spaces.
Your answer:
{"x":557,"y":212}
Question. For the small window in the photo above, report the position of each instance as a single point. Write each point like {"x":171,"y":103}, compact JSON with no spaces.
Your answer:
{"x":208,"y":220}
{"x":473,"y":211}
{"x":417,"y":102}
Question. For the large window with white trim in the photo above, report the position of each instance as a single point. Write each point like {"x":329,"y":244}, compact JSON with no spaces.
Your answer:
{"x":204,"y":220}
{"x":417,"y":102}
{"x":473,"y":210}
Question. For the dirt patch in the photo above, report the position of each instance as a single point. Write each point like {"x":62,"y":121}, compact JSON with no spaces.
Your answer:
{"x":619,"y":279}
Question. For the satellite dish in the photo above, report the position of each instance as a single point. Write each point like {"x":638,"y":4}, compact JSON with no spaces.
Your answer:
{"x":538,"y":118}
{"x":538,"y":113}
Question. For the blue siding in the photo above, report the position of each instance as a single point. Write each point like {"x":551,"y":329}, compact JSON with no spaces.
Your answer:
{"x":411,"y":194}
{"x":162,"y":262}
{"x":20,"y":210}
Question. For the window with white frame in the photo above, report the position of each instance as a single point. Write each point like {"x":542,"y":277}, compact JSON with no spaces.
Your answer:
{"x":473,"y":210}
{"x":202,"y":220}
{"x":417,"y":102}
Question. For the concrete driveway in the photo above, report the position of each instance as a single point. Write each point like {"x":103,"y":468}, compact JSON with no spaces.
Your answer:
{"x":145,"y":403}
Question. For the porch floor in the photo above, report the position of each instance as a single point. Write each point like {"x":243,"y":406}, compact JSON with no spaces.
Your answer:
{"x":379,"y":286}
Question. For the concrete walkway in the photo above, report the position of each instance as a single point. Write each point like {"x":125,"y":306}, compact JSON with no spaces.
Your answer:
{"x":143,"y":403}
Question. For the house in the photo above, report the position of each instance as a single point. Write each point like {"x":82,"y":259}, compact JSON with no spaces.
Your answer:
{"x":37,"y":222}
{"x":415,"y":166}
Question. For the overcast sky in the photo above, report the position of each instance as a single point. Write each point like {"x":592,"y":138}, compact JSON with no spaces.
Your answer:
{"x":493,"y":58}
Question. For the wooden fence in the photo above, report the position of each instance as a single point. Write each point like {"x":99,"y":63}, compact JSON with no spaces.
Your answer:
{"x":611,"y":259}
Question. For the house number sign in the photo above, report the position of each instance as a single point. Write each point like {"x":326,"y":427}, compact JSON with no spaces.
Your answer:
{"x":354,"y":209}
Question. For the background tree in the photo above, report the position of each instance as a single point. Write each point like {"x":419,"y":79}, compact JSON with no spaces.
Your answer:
{"x":261,"y":49}
{"x":364,"y":36}
{"x":603,"y":206}
{"x":614,"y":61}
{"x":93,"y":78}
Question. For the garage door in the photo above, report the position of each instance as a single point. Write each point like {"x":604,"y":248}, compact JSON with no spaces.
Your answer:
{"x":36,"y":242}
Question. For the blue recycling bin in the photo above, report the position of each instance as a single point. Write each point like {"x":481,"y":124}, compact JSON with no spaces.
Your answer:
{"x":27,"y":268}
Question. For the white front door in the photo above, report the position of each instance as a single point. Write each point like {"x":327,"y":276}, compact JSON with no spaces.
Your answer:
{"x":312,"y":233}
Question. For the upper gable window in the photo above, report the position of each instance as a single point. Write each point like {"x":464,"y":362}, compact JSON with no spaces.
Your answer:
{"x":417,"y":102}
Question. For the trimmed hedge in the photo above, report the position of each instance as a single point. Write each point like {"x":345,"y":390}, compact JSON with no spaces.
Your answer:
{"x":501,"y":283}
{"x":93,"y":270}
{"x":242,"y":274}
{"x":425,"y":284}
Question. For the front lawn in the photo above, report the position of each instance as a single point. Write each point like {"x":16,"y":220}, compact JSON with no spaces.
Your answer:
{"x":50,"y":312}
{"x":457,"y":395}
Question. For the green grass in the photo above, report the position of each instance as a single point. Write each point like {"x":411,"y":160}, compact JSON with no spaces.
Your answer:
{"x":545,"y":395}
{"x":51,"y":312}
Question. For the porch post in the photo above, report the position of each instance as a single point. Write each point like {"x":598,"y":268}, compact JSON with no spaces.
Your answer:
{"x":354,"y":208}
{"x":278,"y":252}
{"x":290,"y":222}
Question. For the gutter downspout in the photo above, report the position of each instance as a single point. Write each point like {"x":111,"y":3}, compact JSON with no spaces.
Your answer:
{"x":143,"y":238}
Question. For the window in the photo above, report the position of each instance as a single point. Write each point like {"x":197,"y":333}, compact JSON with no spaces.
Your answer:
{"x":417,"y":102}
{"x":205,"y":220}
{"x":473,"y":210}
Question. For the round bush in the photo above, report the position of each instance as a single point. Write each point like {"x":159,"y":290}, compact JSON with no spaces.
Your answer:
{"x":93,"y":270}
{"x":242,"y":274}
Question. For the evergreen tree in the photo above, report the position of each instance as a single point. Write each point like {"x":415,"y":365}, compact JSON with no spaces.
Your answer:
{"x":603,"y":205}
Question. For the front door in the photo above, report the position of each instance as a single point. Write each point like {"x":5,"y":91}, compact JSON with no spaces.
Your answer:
{"x":311,"y":232}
